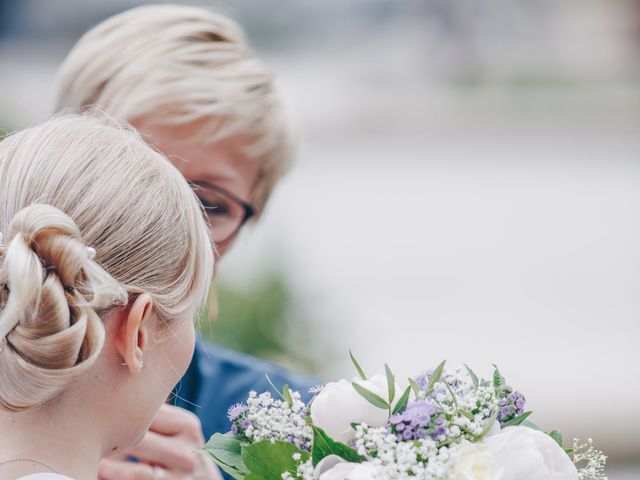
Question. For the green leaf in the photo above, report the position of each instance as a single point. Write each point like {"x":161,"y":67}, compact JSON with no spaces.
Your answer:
{"x":557,"y":436}
{"x":498,"y":379}
{"x":474,"y":377}
{"x":467,"y":414}
{"x":516,"y":421}
{"x":414,"y":385}
{"x":435,"y":377}
{"x":226,"y":451}
{"x":488,"y":426}
{"x":268,"y":460}
{"x":401,"y":406}
{"x":323,"y":446}
{"x":391,"y":383}
{"x":358,"y":367}
{"x":371,"y":397}
{"x":532,"y":425}
{"x":286,"y":394}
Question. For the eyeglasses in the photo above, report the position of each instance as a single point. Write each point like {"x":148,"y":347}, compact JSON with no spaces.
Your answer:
{"x":227,"y":212}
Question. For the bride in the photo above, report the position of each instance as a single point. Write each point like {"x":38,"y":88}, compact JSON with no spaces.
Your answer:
{"x":105,"y":260}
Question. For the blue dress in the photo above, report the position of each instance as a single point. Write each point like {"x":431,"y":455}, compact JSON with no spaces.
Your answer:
{"x":217,"y":378}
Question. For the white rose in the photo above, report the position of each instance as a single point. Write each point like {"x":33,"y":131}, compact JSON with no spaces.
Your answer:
{"x":475,"y":462}
{"x":350,"y":471}
{"x":338,"y":405}
{"x":527,"y":454}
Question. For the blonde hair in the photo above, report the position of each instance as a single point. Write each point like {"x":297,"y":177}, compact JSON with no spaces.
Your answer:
{"x":182,"y":64}
{"x":91,"y":216}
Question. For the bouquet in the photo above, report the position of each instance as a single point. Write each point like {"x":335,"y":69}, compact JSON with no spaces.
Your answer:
{"x":445,"y":425}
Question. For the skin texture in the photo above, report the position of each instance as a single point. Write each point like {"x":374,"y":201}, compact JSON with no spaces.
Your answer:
{"x":106,"y":410}
{"x":169,"y":445}
{"x":224,"y":163}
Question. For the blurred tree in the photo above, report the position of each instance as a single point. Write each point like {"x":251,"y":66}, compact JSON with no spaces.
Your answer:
{"x":259,"y":320}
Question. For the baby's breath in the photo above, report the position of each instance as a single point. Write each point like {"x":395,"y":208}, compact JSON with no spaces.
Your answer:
{"x":265,"y":418}
{"x":589,"y":461}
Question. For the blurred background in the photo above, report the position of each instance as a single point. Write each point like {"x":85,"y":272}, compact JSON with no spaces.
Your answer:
{"x":468,"y":188}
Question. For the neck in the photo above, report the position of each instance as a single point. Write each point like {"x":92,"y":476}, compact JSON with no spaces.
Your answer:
{"x":49,"y":439}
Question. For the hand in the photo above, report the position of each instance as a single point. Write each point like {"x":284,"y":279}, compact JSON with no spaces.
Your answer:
{"x":167,"y":452}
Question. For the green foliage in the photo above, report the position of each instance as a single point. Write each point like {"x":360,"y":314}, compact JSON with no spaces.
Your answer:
{"x":498,"y":380}
{"x":268,"y":460}
{"x":372,"y":398}
{"x":391,"y":383}
{"x":357,"y":366}
{"x":557,"y":436}
{"x":488,"y":425}
{"x":516,"y":421}
{"x":401,"y":406}
{"x":474,"y":377}
{"x":258,"y":320}
{"x":226,"y":451}
{"x":414,"y":385}
{"x":323,"y":446}
{"x":435,"y":378}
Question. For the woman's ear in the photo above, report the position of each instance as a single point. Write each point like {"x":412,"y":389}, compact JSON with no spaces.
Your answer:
{"x":132,"y":338}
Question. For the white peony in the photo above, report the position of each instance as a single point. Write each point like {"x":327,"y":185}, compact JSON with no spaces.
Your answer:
{"x":527,"y":454}
{"x":350,"y":471}
{"x":475,"y":462}
{"x":339,"y":405}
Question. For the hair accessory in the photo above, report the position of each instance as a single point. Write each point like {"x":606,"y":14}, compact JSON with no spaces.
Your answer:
{"x":92,"y":252}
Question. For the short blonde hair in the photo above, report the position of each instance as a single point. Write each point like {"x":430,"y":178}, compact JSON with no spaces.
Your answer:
{"x":182,"y":64}
{"x":84,"y":232}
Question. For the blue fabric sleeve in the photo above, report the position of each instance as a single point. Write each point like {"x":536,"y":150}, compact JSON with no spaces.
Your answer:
{"x":217,"y":378}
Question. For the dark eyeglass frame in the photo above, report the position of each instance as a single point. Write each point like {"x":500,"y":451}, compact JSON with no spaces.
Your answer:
{"x":249,"y":209}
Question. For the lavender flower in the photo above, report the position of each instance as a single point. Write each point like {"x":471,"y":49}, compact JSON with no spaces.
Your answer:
{"x":511,"y":404}
{"x":423,"y":379}
{"x":414,"y":422}
{"x":316,"y":389}
{"x":235,"y":411}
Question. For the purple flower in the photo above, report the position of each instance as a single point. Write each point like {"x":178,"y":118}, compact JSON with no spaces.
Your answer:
{"x":316,"y":389}
{"x":423,"y":379}
{"x":511,"y":405}
{"x":413,"y":423}
{"x":236,"y":411}
{"x":438,"y":432}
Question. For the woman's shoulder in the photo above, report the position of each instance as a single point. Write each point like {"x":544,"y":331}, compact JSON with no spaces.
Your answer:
{"x":45,"y":476}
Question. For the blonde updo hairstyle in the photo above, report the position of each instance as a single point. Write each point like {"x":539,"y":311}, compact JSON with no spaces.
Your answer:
{"x":92,"y":217}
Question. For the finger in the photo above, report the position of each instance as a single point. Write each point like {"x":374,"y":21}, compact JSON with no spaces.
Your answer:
{"x":172,"y":420}
{"x":123,"y":470}
{"x":171,"y":453}
{"x":207,"y":470}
